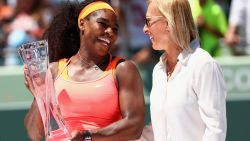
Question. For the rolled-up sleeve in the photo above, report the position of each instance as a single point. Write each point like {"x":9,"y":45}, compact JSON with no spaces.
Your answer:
{"x":211,"y":93}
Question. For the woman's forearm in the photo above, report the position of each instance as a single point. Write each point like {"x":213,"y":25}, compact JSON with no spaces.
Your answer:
{"x":33,"y":123}
{"x":122,"y":130}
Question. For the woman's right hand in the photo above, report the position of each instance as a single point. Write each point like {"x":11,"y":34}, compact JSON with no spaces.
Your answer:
{"x":28,"y":82}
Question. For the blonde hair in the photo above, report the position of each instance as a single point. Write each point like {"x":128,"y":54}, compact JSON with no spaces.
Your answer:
{"x":180,"y":21}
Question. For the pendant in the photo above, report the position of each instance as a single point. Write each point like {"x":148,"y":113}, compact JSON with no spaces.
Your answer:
{"x":96,"y":67}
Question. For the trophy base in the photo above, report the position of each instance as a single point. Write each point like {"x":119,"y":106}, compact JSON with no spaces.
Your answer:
{"x":58,"y":135}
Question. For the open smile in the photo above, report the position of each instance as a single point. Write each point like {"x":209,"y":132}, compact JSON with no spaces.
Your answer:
{"x":105,"y":41}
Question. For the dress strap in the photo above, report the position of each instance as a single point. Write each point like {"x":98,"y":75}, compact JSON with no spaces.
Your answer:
{"x":113,"y":64}
{"x":62,"y":68}
{"x":63,"y":63}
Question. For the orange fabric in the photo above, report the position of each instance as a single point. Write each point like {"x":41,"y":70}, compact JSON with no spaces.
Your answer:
{"x":64,"y":72}
{"x":62,"y":64}
{"x":88,"y":105}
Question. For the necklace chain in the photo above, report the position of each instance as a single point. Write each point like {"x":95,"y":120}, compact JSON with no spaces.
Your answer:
{"x":169,"y":73}
{"x":83,"y":60}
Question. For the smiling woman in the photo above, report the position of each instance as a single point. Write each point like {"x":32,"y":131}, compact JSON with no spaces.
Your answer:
{"x":188,"y":96}
{"x":93,"y":88}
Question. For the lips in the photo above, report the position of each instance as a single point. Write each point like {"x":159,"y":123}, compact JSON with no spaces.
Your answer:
{"x":151,"y":38}
{"x":105,"y":41}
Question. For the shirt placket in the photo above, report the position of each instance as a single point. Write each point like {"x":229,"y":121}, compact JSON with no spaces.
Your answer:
{"x":168,"y":82}
{"x":165,"y":119}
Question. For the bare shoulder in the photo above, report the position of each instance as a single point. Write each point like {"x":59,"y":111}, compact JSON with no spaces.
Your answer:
{"x":127,"y":68}
{"x":53,"y":66}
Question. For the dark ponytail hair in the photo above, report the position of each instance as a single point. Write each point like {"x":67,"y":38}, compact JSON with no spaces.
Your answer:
{"x":63,"y":34}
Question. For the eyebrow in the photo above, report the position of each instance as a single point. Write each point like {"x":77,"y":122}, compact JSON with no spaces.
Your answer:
{"x":106,"y":20}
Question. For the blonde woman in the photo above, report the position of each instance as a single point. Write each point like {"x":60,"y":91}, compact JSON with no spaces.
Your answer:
{"x":188,"y":94}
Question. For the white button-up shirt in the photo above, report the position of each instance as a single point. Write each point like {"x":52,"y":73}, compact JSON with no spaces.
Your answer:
{"x":191,"y":105}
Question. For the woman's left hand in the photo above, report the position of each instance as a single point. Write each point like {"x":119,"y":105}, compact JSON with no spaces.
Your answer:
{"x":76,"y":136}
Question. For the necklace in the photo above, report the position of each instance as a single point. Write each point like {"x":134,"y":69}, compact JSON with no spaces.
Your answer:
{"x":170,"y":71}
{"x":169,"y":74}
{"x":83,"y":60}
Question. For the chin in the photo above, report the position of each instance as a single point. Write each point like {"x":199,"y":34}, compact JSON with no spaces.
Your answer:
{"x":103,"y":50}
{"x":102,"y":53}
{"x":155,"y":47}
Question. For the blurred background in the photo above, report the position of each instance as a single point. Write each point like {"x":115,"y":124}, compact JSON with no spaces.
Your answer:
{"x":223,"y":34}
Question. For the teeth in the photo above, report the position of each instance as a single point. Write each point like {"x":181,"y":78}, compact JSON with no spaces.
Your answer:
{"x":105,"y":40}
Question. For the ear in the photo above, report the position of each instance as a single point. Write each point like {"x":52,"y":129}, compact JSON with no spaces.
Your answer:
{"x":166,"y":26}
{"x":167,"y":29}
{"x":81,"y":25}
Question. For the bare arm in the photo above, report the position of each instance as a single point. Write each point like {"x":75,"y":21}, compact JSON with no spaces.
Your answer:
{"x":147,"y":133}
{"x":33,"y":123}
{"x":232,"y":38}
{"x":132,"y":107}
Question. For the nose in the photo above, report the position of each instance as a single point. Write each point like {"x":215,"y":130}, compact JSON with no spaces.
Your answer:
{"x":109,"y":31}
{"x":145,"y":29}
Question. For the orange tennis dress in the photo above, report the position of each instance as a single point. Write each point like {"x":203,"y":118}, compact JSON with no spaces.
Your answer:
{"x":88,"y":105}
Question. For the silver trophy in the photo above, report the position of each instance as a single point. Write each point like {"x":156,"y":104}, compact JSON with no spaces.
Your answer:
{"x":35,"y":56}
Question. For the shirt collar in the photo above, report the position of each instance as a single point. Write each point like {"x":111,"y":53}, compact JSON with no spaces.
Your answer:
{"x":162,"y":60}
{"x":184,"y":56}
